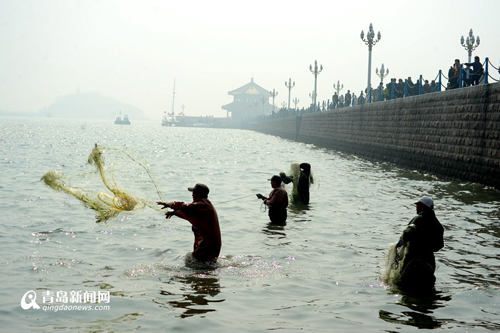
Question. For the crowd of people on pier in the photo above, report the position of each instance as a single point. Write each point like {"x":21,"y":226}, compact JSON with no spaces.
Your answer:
{"x":458,"y":75}
{"x":471,"y":76}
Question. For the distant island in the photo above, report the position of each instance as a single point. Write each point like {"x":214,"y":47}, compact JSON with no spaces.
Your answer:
{"x":85,"y":105}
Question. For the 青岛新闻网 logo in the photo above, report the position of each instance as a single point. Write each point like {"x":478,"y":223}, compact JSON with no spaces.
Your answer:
{"x":60,"y":300}
{"x":28,"y":300}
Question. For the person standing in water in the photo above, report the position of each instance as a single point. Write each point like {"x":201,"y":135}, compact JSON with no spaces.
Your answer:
{"x":277,"y":201}
{"x":423,"y":236}
{"x":205,"y":225}
{"x":302,"y":179}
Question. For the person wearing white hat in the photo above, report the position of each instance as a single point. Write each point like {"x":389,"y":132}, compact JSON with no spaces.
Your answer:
{"x":423,"y":237}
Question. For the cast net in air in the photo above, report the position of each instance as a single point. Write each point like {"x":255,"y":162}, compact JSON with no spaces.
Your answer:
{"x":120,"y":168}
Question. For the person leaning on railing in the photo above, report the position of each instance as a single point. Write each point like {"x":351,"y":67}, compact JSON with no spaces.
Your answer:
{"x":477,"y":71}
{"x":348,"y":98}
{"x":400,"y":88}
{"x":361,"y":98}
{"x":457,"y":68}
{"x":454,"y":75}
{"x":426,"y":88}
{"x":411,"y":87}
{"x":434,"y":86}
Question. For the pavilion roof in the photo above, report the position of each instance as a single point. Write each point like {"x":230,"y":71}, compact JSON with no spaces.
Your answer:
{"x":228,"y":106}
{"x":250,"y":88}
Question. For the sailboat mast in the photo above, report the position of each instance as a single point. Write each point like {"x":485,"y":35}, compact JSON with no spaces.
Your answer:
{"x":173,"y":101}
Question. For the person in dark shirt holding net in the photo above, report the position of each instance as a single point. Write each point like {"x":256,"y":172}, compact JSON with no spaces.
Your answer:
{"x":422,"y":237}
{"x":301,"y":176}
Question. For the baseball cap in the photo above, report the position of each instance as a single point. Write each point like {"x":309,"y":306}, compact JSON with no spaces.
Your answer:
{"x":425,"y":200}
{"x":202,"y":189}
{"x":275,"y":178}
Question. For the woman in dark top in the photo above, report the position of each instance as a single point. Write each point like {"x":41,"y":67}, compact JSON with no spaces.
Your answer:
{"x":300,"y":175}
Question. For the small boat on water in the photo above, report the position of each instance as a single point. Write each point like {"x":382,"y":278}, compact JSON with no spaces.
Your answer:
{"x":122,"y":121}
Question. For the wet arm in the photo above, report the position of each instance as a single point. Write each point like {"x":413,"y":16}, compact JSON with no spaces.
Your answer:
{"x":407,"y":235}
{"x":285,"y":178}
{"x":273,"y":197}
{"x":183,"y":210}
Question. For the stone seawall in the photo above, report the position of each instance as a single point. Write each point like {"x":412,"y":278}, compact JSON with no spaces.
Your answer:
{"x":455,"y":134}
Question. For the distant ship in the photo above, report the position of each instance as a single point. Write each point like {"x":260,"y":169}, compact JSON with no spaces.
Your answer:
{"x":120,"y":121}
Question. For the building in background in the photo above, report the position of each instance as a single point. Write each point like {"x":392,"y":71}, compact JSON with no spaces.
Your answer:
{"x":250,"y":101}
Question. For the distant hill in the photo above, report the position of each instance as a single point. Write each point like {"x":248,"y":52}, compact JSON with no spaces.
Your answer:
{"x":92,"y":106}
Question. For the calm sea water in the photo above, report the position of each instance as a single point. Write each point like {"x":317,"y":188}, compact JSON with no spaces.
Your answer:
{"x":320,"y":272}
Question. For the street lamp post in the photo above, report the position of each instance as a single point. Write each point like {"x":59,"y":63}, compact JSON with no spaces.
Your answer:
{"x":311,"y":95}
{"x":383,"y":73}
{"x":273,"y":95}
{"x":289,"y":85}
{"x":469,"y":45}
{"x":370,"y":41}
{"x":337,"y":88}
{"x":296,"y":101}
{"x":315,"y":71}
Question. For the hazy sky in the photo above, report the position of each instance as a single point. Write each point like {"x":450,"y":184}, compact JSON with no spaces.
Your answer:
{"x":132,"y":50}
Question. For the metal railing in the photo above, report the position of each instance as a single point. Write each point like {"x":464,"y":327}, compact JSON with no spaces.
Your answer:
{"x":406,"y":88}
{"x":465,"y":78}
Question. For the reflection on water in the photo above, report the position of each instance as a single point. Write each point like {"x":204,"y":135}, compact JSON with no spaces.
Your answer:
{"x":422,"y":307}
{"x":196,"y":293}
{"x":464,"y":271}
{"x":275,"y":229}
{"x":297,"y":212}
{"x":411,"y":319}
{"x":298,"y":208}
{"x":425,"y":304}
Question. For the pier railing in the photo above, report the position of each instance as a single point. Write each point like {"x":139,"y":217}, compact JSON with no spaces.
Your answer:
{"x":418,"y":88}
{"x":403,"y":89}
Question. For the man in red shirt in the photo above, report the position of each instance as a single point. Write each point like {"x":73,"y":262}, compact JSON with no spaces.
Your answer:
{"x":205,"y":224}
{"x":277,"y":201}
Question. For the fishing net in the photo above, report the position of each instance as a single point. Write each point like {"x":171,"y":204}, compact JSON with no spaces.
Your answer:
{"x":294,"y":173}
{"x":394,"y":264}
{"x":121,"y":167}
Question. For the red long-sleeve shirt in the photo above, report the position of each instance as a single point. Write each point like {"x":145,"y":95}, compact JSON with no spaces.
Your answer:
{"x":205,"y":225}
{"x":278,"y":198}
